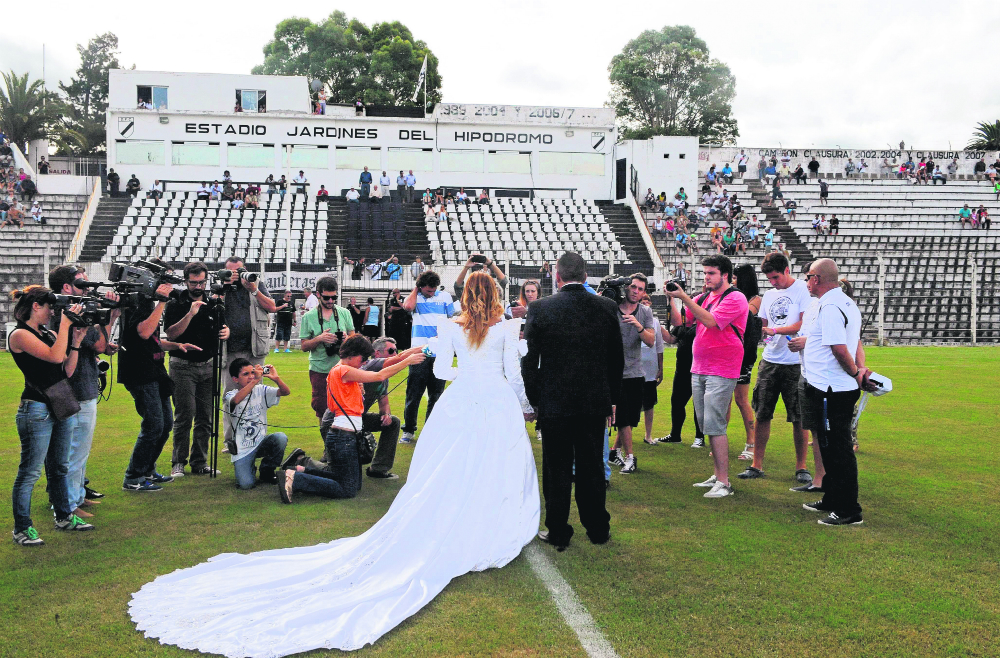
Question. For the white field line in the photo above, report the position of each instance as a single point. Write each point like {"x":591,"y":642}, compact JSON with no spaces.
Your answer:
{"x":569,"y":605}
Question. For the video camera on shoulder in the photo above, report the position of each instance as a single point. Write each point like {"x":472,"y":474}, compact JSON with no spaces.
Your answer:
{"x":142,"y":277}
{"x":612,"y":286}
{"x":96,"y":310}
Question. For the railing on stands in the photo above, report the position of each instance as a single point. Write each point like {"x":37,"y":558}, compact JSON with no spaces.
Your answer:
{"x":21,"y":162}
{"x":86,"y":219}
{"x":197,"y":184}
{"x":77,"y":166}
{"x":647,"y":239}
{"x":494,"y":191}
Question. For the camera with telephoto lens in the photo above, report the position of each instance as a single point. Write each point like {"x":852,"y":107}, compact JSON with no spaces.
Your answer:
{"x":673,"y":285}
{"x":142,"y":277}
{"x":333,"y":349}
{"x":611,"y":287}
{"x":96,"y":310}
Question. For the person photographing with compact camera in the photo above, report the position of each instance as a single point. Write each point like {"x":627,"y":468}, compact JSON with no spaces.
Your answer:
{"x":323,"y":331}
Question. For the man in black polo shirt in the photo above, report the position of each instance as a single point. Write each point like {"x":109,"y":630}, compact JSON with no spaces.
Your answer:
{"x":189,"y":321}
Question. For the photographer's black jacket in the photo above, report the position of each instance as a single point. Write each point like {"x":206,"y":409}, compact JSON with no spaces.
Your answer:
{"x":200,"y":331}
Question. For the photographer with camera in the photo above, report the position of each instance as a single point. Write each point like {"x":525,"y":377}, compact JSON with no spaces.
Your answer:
{"x":323,"y":331}
{"x":142,"y":372}
{"x":248,"y":309}
{"x":720,"y":319}
{"x":248,"y":403}
{"x":191,"y":318}
{"x":429,"y":306}
{"x":85,"y":381}
{"x":636,"y":324}
{"x":479,"y":262}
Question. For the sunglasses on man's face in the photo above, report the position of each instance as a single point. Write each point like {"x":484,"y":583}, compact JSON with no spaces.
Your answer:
{"x":330,"y":298}
{"x":391,"y":350}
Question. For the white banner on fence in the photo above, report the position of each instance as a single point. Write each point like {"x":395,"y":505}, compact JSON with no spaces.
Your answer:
{"x":277,"y":281}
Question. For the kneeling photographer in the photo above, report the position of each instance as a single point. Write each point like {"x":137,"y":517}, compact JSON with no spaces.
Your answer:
{"x":323,"y":331}
{"x":142,"y":372}
{"x":342,"y":477}
{"x":193,"y":317}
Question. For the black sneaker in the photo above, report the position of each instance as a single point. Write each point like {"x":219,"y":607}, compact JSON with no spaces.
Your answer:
{"x":145,"y":485}
{"x":833,"y":519}
{"x":668,"y":439}
{"x":808,"y":488}
{"x":267,"y":477}
{"x":203,"y":470}
{"x":92,"y":495}
{"x":816,"y":507}
{"x":750,"y":474}
{"x":380,"y":475}
{"x":804,"y":476}
{"x":160,"y":478}
{"x":293,"y":459}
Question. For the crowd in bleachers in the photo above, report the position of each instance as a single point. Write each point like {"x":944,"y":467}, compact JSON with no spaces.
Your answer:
{"x":15,"y":184}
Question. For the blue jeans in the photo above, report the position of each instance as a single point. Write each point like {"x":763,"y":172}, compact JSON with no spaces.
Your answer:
{"x":43,"y":440}
{"x":153,"y":406}
{"x":342,"y":479}
{"x":420,"y":378}
{"x":79,"y":449}
{"x":271,"y":451}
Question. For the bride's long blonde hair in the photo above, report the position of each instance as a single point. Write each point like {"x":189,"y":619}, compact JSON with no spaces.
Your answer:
{"x":481,"y":306}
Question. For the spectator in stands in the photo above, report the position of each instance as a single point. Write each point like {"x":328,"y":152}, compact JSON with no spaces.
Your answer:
{"x":203,"y":193}
{"x":834,"y":225}
{"x":155,"y":190}
{"x":227,"y":177}
{"x":849,"y":168}
{"x":953,"y":167}
{"x":862,"y":166}
{"x":442,"y":214}
{"x":717,"y":240}
{"x":5,"y":204}
{"x":250,"y":199}
{"x":301,"y":181}
{"x":133,"y":186}
{"x":790,"y":207}
{"x":650,"y":199}
{"x":659,"y":228}
{"x":416,"y":268}
{"x":282,"y":186}
{"x":359,"y":109}
{"x":401,"y":186}
{"x":15,"y":214}
{"x":710,"y":176}
{"x":799,"y":175}
{"x":761,"y":168}
{"x":824,"y":193}
{"x":352,"y":196}
{"x":982,"y":217}
{"x":411,"y":183}
{"x":681,"y":243}
{"x":980,"y":168}
{"x":729,"y":243}
{"x":36,"y":213}
{"x":462,"y":197}
{"x":769,"y":239}
{"x":28,"y":189}
{"x":741,"y":163}
{"x":776,"y":190}
{"x":727,"y":174}
{"x":939,"y":176}
{"x":238,"y":203}
{"x":784,"y":173}
{"x":885,"y":168}
{"x":365,"y":180}
{"x":816,"y":223}
{"x":272,"y":186}
{"x":929,"y":169}
{"x":6,"y":153}
{"x":239,"y":194}
{"x":427,"y":198}
{"x":322,"y":193}
{"x":430,"y":213}
{"x":228,"y":191}
{"x":322,"y":100}
{"x":393,"y":269}
{"x":991,"y":174}
{"x":965,"y":215}
{"x":439,"y":197}
{"x":43,"y":166}
{"x":376,"y":194}
{"x":692,"y":241}
{"x":216,"y":191}
{"x":385,"y":182}
{"x":996,"y":188}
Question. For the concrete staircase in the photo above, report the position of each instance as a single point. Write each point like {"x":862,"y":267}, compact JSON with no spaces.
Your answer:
{"x":777,"y":220}
{"x":107,"y":219}
{"x":23,"y":259}
{"x":622,"y":223}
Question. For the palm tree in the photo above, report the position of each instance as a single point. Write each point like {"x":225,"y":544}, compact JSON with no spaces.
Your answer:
{"x":986,"y":137}
{"x":27,"y":111}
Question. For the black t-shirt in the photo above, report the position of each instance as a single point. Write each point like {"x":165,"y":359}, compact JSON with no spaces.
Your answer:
{"x":38,"y":373}
{"x":286,"y":315}
{"x":358,"y":316}
{"x":141,"y":360}
{"x":814,"y":166}
{"x":356,"y":270}
{"x":200,"y":331}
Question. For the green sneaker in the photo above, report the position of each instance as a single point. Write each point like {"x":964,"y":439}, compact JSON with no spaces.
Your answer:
{"x":29,"y":537}
{"x":73,"y":522}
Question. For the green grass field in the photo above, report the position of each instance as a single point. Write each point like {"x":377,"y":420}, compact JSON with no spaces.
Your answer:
{"x":751,"y":575}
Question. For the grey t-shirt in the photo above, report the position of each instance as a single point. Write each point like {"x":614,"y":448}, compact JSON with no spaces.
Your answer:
{"x":84,"y":379}
{"x":238,"y":318}
{"x":632,"y":343}
{"x":375,"y":390}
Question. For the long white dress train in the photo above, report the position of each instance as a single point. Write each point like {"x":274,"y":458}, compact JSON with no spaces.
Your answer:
{"x":470,"y":503}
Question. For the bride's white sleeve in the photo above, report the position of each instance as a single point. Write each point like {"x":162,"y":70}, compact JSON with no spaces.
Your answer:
{"x":444,"y":352}
{"x":512,"y":363}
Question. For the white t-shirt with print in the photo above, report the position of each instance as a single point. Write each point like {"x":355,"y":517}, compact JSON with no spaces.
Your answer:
{"x":249,"y":418}
{"x":781,"y":308}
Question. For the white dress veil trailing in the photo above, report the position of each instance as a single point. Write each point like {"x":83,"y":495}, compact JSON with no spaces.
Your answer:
{"x":470,"y":503}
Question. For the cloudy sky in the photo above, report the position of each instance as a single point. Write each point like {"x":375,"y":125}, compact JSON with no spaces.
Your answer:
{"x":850,"y":74}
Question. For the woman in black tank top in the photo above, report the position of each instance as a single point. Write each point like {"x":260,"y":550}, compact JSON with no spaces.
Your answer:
{"x":45,"y":359}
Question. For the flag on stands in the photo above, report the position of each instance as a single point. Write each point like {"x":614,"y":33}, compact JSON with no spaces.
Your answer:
{"x":420,"y":80}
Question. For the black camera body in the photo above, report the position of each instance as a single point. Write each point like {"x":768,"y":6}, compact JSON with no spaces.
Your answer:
{"x":674,"y":284}
{"x":612,"y":288}
{"x":96,"y":310}
{"x":142,"y":277}
{"x":334,"y":348}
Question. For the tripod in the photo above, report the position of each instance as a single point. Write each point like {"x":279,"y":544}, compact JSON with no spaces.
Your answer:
{"x":218,"y":321}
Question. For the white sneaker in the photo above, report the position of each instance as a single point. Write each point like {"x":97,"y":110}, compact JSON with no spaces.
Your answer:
{"x":407,"y":437}
{"x":629,"y":466}
{"x":720,"y":490}
{"x":698,"y":443}
{"x":177,"y":471}
{"x":708,"y":484}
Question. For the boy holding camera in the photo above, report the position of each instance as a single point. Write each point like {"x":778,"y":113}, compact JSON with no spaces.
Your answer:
{"x":323,"y":330}
{"x":247,"y":407}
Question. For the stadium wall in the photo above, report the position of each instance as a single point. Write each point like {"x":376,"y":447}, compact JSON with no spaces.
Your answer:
{"x":834,"y":160}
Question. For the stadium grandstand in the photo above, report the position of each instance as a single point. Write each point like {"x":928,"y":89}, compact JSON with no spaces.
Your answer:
{"x":538,"y":180}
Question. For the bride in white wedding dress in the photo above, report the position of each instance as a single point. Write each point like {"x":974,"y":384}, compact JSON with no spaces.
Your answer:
{"x":470,"y":503}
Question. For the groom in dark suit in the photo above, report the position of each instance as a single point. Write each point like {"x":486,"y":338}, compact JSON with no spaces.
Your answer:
{"x":572,"y":376}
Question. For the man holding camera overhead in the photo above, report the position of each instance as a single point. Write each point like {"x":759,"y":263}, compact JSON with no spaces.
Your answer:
{"x":187,"y":320}
{"x":323,"y":330}
{"x":247,"y":316}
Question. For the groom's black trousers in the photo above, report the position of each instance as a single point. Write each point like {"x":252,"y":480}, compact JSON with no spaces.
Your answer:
{"x":565,"y":440}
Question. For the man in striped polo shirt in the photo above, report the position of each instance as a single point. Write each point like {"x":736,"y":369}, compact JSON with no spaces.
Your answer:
{"x":429,"y":306}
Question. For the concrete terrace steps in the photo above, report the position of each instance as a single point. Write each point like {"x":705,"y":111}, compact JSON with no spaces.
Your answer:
{"x":415,"y":234}
{"x":776,"y":220}
{"x":108,"y":217}
{"x":622,"y":223}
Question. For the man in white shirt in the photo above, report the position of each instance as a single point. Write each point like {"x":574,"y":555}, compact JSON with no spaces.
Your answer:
{"x":416,"y":268}
{"x":401,"y":187}
{"x":833,"y":382}
{"x":411,"y":182}
{"x":310,"y":302}
{"x":301,"y":181}
{"x":384,"y":182}
{"x":156,"y":190}
{"x":741,"y":162}
{"x":778,"y":373}
{"x":353,"y":196}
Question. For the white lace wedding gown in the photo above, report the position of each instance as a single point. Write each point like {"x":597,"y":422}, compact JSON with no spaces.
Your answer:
{"x":470,"y":503}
